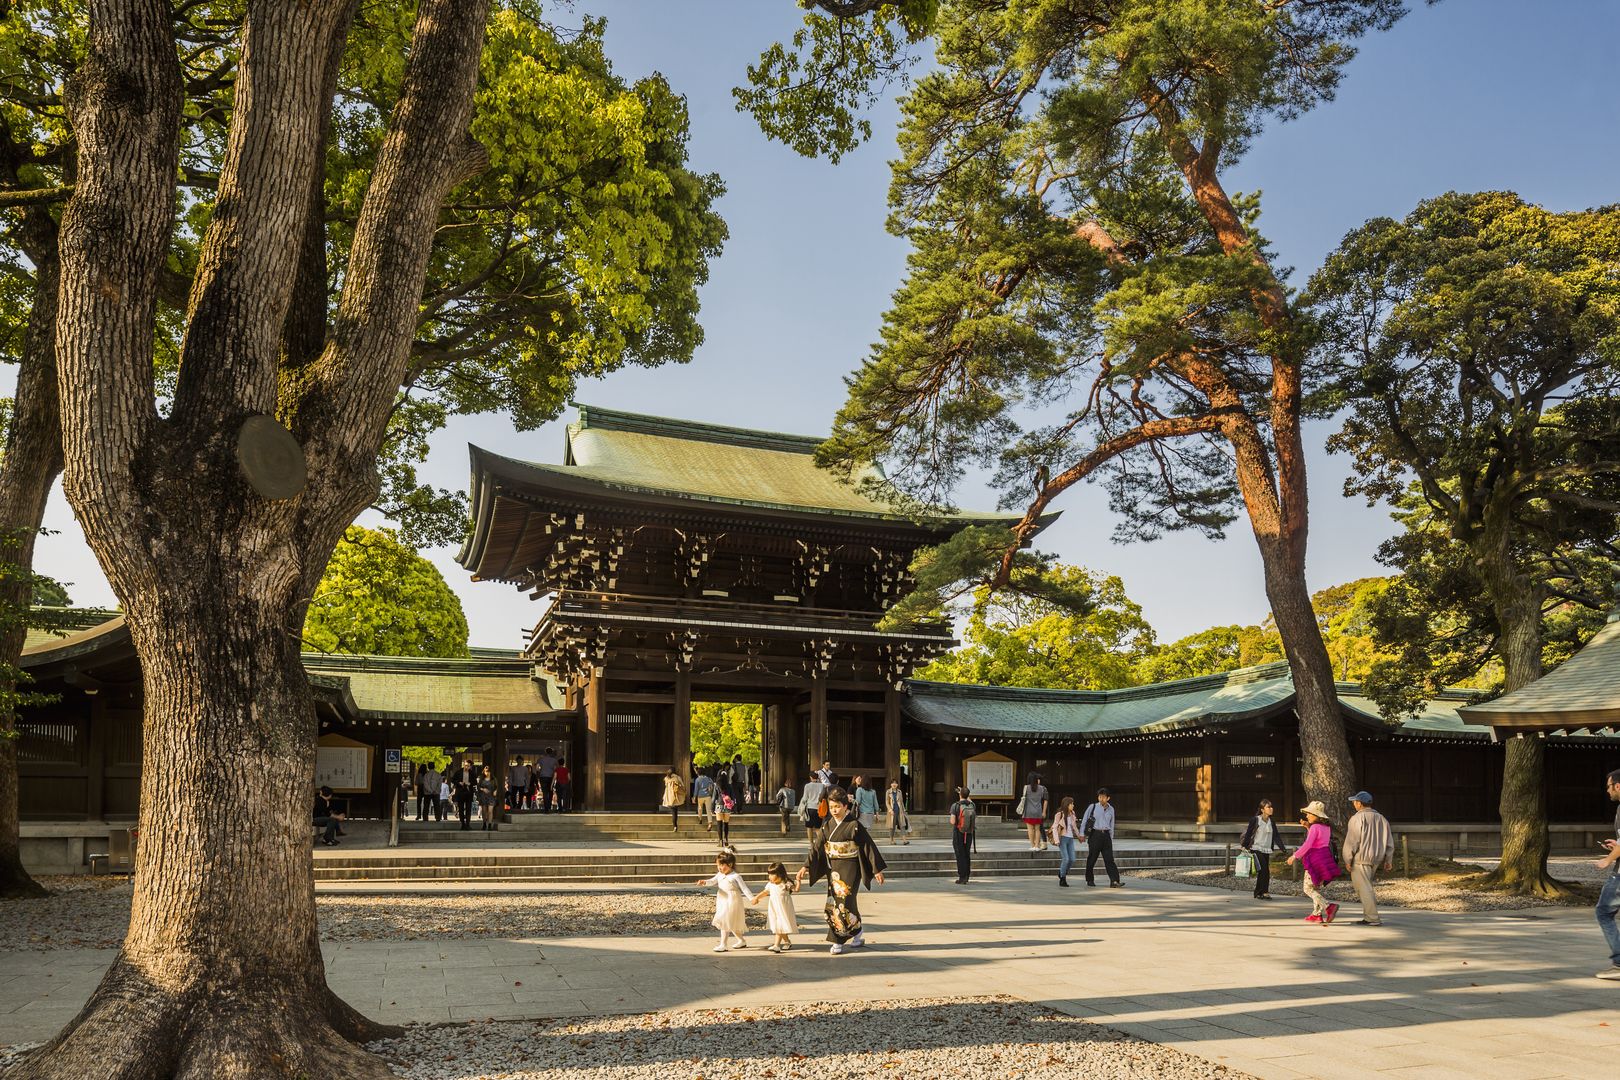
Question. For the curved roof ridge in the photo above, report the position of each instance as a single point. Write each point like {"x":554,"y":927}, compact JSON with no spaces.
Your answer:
{"x":594,"y":416}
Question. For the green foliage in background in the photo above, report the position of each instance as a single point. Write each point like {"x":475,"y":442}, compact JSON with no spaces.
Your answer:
{"x":380,"y":597}
{"x":720,"y":732}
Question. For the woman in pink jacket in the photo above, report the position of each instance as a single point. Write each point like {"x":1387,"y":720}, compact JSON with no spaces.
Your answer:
{"x":1316,"y":856}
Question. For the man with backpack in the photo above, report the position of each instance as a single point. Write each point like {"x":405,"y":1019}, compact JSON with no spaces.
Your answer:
{"x":703,"y":789}
{"x":964,"y":831}
{"x":786,"y":801}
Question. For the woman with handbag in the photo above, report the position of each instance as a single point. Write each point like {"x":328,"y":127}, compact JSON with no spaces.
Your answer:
{"x":1260,"y":839}
{"x":1032,"y":809}
{"x":1064,"y":831}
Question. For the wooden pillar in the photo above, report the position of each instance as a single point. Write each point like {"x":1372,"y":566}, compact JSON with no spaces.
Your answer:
{"x":1147,"y":779}
{"x":499,"y":767}
{"x":891,"y":736}
{"x":953,"y":770}
{"x":1206,"y":780}
{"x":1289,"y":811}
{"x":681,"y":728}
{"x":817,"y":749}
{"x":596,"y":741}
{"x":95,"y":786}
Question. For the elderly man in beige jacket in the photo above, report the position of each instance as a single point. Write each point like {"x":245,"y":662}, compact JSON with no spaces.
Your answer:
{"x":1368,"y":844}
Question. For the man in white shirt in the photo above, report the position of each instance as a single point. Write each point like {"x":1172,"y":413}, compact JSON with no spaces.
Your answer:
{"x":1097,"y":833}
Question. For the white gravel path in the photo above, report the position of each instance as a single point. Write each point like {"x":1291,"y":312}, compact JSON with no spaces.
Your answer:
{"x":86,"y":912}
{"x":919,"y":1039}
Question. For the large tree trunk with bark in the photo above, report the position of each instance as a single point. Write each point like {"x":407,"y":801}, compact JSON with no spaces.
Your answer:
{"x":1526,"y":838}
{"x":33,"y":458}
{"x":221,"y":973}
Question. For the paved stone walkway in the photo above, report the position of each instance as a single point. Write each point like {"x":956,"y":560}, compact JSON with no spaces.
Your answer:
{"x":1429,"y":995}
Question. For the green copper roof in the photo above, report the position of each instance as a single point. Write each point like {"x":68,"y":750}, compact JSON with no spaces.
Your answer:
{"x":1246,"y":695}
{"x":710,"y":463}
{"x":1582,"y":692}
{"x":470,"y":689}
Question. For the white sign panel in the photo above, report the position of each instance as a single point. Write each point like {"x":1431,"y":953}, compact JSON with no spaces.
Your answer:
{"x":989,"y":779}
{"x":391,"y":759}
{"x":342,"y":768}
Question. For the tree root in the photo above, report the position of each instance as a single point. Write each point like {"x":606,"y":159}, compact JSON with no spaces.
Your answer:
{"x":17,"y":884}
{"x":134,"y":1029}
{"x":1543,"y":886}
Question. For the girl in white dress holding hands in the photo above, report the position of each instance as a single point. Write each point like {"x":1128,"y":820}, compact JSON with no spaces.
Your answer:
{"x":779,"y":917}
{"x":731,"y":891}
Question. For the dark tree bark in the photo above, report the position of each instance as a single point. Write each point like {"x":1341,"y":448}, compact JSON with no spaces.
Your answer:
{"x":221,"y":973}
{"x":32,"y":461}
{"x":1516,"y":602}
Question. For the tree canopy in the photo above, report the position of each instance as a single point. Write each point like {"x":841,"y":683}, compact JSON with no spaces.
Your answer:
{"x":379,"y":597}
{"x":720,"y":732}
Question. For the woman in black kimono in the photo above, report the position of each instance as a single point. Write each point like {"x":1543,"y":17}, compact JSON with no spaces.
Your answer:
{"x":842,"y":851}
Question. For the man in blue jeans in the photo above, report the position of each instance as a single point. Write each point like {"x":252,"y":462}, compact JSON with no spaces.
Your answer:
{"x":1608,"y":905}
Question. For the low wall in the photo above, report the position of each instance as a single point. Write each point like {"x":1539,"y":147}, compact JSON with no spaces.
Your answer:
{"x":58,"y":847}
{"x":1476,"y":838}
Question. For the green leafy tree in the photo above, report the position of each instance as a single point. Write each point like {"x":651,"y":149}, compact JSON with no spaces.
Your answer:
{"x":1013,"y":640}
{"x":1085,"y":298}
{"x":379,"y":597}
{"x":1476,"y":346}
{"x":1209,"y":652}
{"x":720,"y":732}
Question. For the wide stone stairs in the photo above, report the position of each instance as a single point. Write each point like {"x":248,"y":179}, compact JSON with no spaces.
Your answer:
{"x":625,"y":849}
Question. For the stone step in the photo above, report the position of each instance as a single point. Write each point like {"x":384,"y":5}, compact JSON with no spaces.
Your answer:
{"x":667,"y":867}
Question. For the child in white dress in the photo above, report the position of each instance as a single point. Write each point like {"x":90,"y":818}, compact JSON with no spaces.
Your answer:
{"x":778,"y":897}
{"x":730,"y":917}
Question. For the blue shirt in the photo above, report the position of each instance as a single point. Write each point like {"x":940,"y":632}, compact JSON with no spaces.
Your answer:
{"x":703,"y":786}
{"x":866,"y":801}
{"x":1099,"y":818}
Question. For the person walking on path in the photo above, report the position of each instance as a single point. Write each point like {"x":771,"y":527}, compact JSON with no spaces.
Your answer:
{"x":1368,"y":845}
{"x":1064,"y":831}
{"x":780,"y":918}
{"x":826,"y":775}
{"x":564,"y":782}
{"x":1316,"y":856}
{"x":674,"y":795}
{"x":1608,"y":905}
{"x":755,"y":778}
{"x":844,"y":855}
{"x":464,"y":792}
{"x":730,"y":893}
{"x":866,"y":802}
{"x":703,"y":796}
{"x":964,"y":831}
{"x":546,"y":767}
{"x":723,"y":805}
{"x":899,"y":822}
{"x":489,"y":798}
{"x":1260,"y":839}
{"x":517,"y":778}
{"x":786,"y":802}
{"x":811,"y":805}
{"x":1097,"y":833}
{"x":1032,"y":809}
{"x":427,"y":792}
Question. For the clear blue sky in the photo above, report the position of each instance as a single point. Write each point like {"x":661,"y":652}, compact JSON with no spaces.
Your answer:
{"x":1466,"y":95}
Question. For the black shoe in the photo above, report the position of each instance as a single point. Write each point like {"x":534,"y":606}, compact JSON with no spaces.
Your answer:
{"x":1262,"y":896}
{"x":1116,"y":884}
{"x":1063,"y":881}
{"x":1091,"y":884}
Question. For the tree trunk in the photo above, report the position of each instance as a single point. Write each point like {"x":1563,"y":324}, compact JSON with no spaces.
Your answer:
{"x":221,"y":974}
{"x":1526,"y":838}
{"x":33,"y":458}
{"x":1326,"y":770}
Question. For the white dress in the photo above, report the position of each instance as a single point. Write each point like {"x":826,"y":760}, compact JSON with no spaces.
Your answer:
{"x":731,"y":891}
{"x":779,"y":916}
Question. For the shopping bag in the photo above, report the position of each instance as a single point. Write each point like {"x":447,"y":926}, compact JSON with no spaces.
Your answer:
{"x":1244,"y":867}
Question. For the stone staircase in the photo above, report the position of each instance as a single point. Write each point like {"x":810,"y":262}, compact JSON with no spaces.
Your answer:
{"x":582,"y":828}
{"x":541,"y":868}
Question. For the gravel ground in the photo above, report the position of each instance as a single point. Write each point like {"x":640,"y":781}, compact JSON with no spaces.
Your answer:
{"x":915,"y":1040}
{"x":1432,"y":892}
{"x":86,"y":912}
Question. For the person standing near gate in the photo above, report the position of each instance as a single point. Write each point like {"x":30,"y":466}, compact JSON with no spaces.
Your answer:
{"x":703,"y":797}
{"x":1368,"y":844}
{"x":1608,"y":905}
{"x":964,"y":830}
{"x":463,"y":791}
{"x":1097,"y":833}
{"x":546,"y":769}
{"x":1260,"y":839}
{"x":843,"y":853}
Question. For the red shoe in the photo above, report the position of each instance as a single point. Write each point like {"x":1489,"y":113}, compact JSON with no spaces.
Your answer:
{"x":1327,"y":916}
{"x":1313,"y":918}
